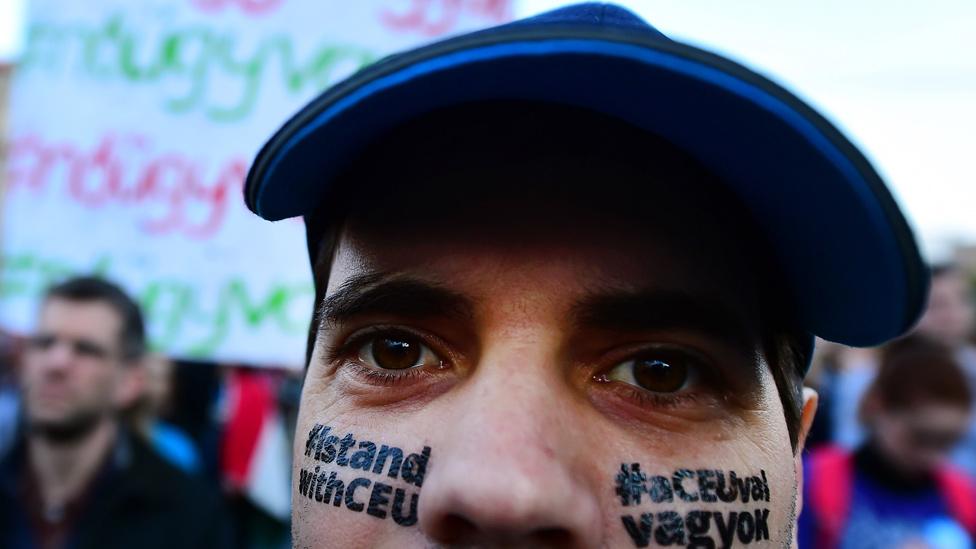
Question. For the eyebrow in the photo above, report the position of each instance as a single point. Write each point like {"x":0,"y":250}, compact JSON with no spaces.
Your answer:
{"x":383,"y":293}
{"x":665,"y":311}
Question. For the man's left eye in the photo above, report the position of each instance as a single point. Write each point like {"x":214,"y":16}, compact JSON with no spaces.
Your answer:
{"x":397,"y":352}
{"x":658,"y":373}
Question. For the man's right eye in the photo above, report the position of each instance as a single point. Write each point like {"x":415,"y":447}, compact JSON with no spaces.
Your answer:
{"x":655,"y":375}
{"x":397,"y":352}
{"x":41,"y":342}
{"x":90,"y":349}
{"x":659,"y":371}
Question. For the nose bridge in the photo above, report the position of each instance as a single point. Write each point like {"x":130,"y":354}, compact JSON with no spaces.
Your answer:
{"x":506,"y":472}
{"x":58,"y":356}
{"x":515,"y":397}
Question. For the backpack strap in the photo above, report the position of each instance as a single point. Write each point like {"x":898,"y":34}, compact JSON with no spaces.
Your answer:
{"x":831,"y":484}
{"x":960,"y":496}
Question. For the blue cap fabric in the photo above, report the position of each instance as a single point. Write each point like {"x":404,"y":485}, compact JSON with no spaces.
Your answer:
{"x":850,"y":257}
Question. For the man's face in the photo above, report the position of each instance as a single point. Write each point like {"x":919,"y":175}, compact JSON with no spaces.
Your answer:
{"x":73,"y":374}
{"x":547,"y":372}
{"x":949,"y":314}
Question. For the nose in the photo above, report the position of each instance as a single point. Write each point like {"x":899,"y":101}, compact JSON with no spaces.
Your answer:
{"x":510,"y":470}
{"x":55,"y":360}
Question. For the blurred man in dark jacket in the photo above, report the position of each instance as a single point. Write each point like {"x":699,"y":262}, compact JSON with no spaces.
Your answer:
{"x":78,"y":478}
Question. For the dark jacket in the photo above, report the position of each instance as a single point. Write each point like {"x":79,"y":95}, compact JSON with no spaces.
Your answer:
{"x":138,"y":500}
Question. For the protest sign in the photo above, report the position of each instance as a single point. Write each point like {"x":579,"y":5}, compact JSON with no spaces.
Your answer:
{"x":131,"y":127}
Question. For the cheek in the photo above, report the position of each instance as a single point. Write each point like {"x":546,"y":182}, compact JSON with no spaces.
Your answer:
{"x":731,"y":484}
{"x":731,"y":493}
{"x":355,"y":483}
{"x":724,"y":485}
{"x":101,"y":381}
{"x":890,"y":434}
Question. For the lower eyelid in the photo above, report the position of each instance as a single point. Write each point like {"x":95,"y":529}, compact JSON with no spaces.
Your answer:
{"x":385,"y":377}
{"x":674,"y":410}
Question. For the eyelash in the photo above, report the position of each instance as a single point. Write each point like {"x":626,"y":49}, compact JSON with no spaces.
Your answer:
{"x":386,"y":378}
{"x":657,"y":401}
{"x":349,"y":349}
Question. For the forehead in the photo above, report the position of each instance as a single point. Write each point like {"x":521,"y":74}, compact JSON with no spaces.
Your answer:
{"x":477,"y":194}
{"x":80,"y":319}
{"x":561,"y":246}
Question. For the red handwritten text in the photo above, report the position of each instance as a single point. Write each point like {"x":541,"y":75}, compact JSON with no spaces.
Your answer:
{"x":437,"y":17}
{"x":250,"y":7}
{"x":171,"y":192}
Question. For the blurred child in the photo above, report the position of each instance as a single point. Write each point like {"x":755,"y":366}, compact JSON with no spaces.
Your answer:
{"x":896,"y":490}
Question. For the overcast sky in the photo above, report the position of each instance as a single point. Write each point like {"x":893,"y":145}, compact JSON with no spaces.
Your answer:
{"x":898,"y":76}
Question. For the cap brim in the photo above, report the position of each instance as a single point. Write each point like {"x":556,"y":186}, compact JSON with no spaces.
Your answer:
{"x":841,"y":239}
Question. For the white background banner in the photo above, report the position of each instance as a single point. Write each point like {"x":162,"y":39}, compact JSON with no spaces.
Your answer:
{"x":131,"y":127}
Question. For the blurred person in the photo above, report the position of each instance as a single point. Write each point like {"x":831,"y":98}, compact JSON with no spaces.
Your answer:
{"x":855,"y":370}
{"x":822,"y":377}
{"x":949,"y":314}
{"x":949,"y":318}
{"x":897,"y":490}
{"x":79,"y":478}
{"x":167,"y":439}
{"x":195,"y":408}
{"x":568,"y":272}
{"x":9,"y":393}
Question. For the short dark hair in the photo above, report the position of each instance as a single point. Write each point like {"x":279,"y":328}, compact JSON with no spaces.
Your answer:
{"x":474,"y":137}
{"x":917,"y":370}
{"x":132,"y":336}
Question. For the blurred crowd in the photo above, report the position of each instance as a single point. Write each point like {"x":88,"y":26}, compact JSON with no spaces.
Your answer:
{"x":105,"y":442}
{"x":892,"y":451}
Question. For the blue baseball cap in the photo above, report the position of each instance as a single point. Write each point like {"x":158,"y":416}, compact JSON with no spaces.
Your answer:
{"x":850,"y":258}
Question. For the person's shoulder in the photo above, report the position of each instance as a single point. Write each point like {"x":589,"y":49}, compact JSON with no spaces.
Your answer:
{"x":151,"y":500}
{"x":164,"y":479}
{"x":194,"y":499}
{"x":12,"y":460}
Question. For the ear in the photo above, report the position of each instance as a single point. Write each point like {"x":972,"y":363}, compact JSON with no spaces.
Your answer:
{"x":131,"y":384}
{"x":810,"y":399}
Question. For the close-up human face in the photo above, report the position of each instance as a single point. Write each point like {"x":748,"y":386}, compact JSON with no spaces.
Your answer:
{"x":73,"y":373}
{"x":541,"y":374}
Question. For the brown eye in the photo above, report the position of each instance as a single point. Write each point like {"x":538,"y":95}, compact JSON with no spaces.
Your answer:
{"x":667,"y":372}
{"x":397,"y":352}
{"x":660,"y":376}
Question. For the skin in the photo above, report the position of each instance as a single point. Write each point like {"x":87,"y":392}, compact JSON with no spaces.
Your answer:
{"x":949,"y":314}
{"x":897,"y":433}
{"x":525,"y":404}
{"x":71,"y":397}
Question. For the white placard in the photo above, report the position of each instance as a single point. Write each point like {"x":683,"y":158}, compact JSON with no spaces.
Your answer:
{"x":132,"y":123}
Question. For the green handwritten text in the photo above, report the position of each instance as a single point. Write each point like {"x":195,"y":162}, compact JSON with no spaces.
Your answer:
{"x":182,"y":318}
{"x":196,"y":67}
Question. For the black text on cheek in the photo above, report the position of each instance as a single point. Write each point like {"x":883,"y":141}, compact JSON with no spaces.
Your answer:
{"x":699,"y":528}
{"x":394,"y":494}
